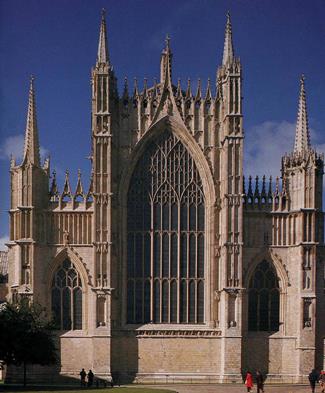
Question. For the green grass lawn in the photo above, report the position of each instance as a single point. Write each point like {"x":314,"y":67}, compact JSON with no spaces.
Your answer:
{"x":114,"y":390}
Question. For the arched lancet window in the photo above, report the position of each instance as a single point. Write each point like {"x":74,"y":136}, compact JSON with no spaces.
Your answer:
{"x":165,"y":232}
{"x":264,"y":299}
{"x":67,"y":297}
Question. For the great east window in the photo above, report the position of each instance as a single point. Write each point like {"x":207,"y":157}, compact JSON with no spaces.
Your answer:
{"x":165,"y":236}
{"x":67,"y":297}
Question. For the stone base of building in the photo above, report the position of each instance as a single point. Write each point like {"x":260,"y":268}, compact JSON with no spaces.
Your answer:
{"x":286,"y":379}
{"x":74,"y":376}
{"x":51,"y":375}
{"x":174,"y":378}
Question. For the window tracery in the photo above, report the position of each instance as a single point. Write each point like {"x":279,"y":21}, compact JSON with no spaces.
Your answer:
{"x":67,"y":297}
{"x":165,"y":262}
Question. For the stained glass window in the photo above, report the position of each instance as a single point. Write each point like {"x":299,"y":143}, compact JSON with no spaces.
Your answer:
{"x":67,"y":297}
{"x":166,"y":215}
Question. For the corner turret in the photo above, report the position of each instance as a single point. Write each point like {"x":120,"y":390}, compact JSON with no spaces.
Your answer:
{"x":303,"y":167}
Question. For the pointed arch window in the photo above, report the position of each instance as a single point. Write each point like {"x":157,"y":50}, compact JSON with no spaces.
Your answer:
{"x":264,"y":299}
{"x":67,"y":297}
{"x":166,"y":215}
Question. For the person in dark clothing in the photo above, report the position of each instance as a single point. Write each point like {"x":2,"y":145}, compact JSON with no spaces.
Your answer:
{"x":90,"y":378}
{"x":259,"y":381}
{"x":321,"y":381}
{"x":82,"y":377}
{"x":313,"y":378}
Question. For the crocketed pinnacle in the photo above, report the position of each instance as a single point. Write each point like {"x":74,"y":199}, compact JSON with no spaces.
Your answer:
{"x":102,"y":55}
{"x":302,"y":139}
{"x":31,"y":148}
{"x":166,"y":63}
{"x":228,"y":49}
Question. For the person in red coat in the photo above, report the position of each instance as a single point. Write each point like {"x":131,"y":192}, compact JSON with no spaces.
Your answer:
{"x":249,"y":381}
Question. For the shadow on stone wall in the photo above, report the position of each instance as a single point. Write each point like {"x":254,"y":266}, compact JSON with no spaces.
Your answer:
{"x":124,"y":357}
{"x":256,"y":353}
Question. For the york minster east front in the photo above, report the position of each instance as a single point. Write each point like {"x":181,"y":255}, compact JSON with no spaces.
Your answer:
{"x":172,"y":265}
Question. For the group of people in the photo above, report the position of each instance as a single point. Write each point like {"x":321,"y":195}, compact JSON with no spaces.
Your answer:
{"x":259,"y":378}
{"x":315,"y":377}
{"x":90,"y":378}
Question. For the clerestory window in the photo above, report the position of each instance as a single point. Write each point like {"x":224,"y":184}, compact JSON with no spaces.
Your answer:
{"x":67,"y":297}
{"x":264,"y":299}
{"x":165,"y":236}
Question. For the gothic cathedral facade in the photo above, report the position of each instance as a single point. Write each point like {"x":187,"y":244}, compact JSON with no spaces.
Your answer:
{"x":171,"y":266}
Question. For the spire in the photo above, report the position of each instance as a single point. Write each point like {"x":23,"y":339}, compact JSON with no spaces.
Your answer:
{"x":155,"y":88}
{"x":250,"y":190}
{"x":188,"y":94}
{"x":302,"y":139}
{"x":208,"y":95}
{"x":179,"y":93}
{"x":79,"y":189}
{"x":263,"y":192}
{"x":145,"y":87}
{"x":126,"y":90}
{"x":269,"y":193}
{"x":102,"y":55}
{"x":228,"y":49}
{"x":135,"y":90}
{"x":54,"y":191}
{"x":166,"y":62}
{"x":257,"y":191}
{"x":66,"y":187}
{"x":198,"y":91}
{"x":91,"y":188}
{"x":31,"y":149}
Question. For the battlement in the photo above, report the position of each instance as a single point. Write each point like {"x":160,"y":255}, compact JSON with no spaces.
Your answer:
{"x":270,"y":197}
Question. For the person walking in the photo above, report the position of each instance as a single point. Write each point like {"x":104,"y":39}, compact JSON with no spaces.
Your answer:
{"x":90,"y":378}
{"x":259,"y":381}
{"x":249,"y":381}
{"x":313,"y":378}
{"x":82,"y":377}
{"x":321,"y":381}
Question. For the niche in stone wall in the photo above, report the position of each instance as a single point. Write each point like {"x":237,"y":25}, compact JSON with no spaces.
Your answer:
{"x":25,"y":260}
{"x":101,"y":310}
{"x":307,"y":308}
{"x":232,"y":298}
{"x":27,"y":276}
{"x":307,"y":269}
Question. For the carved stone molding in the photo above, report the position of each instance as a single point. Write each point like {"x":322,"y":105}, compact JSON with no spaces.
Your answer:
{"x":217,"y":251}
{"x":101,"y":247}
{"x":233,"y":200}
{"x":233,"y":248}
{"x":276,"y":256}
{"x":103,"y":292}
{"x":217,"y":295}
{"x":177,"y":333}
{"x":72,"y":250}
{"x":232,"y":291}
{"x":102,"y":198}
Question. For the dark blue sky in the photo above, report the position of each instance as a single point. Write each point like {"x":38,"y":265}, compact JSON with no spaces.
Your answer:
{"x":277,"y":41}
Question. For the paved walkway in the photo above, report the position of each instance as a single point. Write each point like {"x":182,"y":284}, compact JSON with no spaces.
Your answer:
{"x":219,"y":388}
